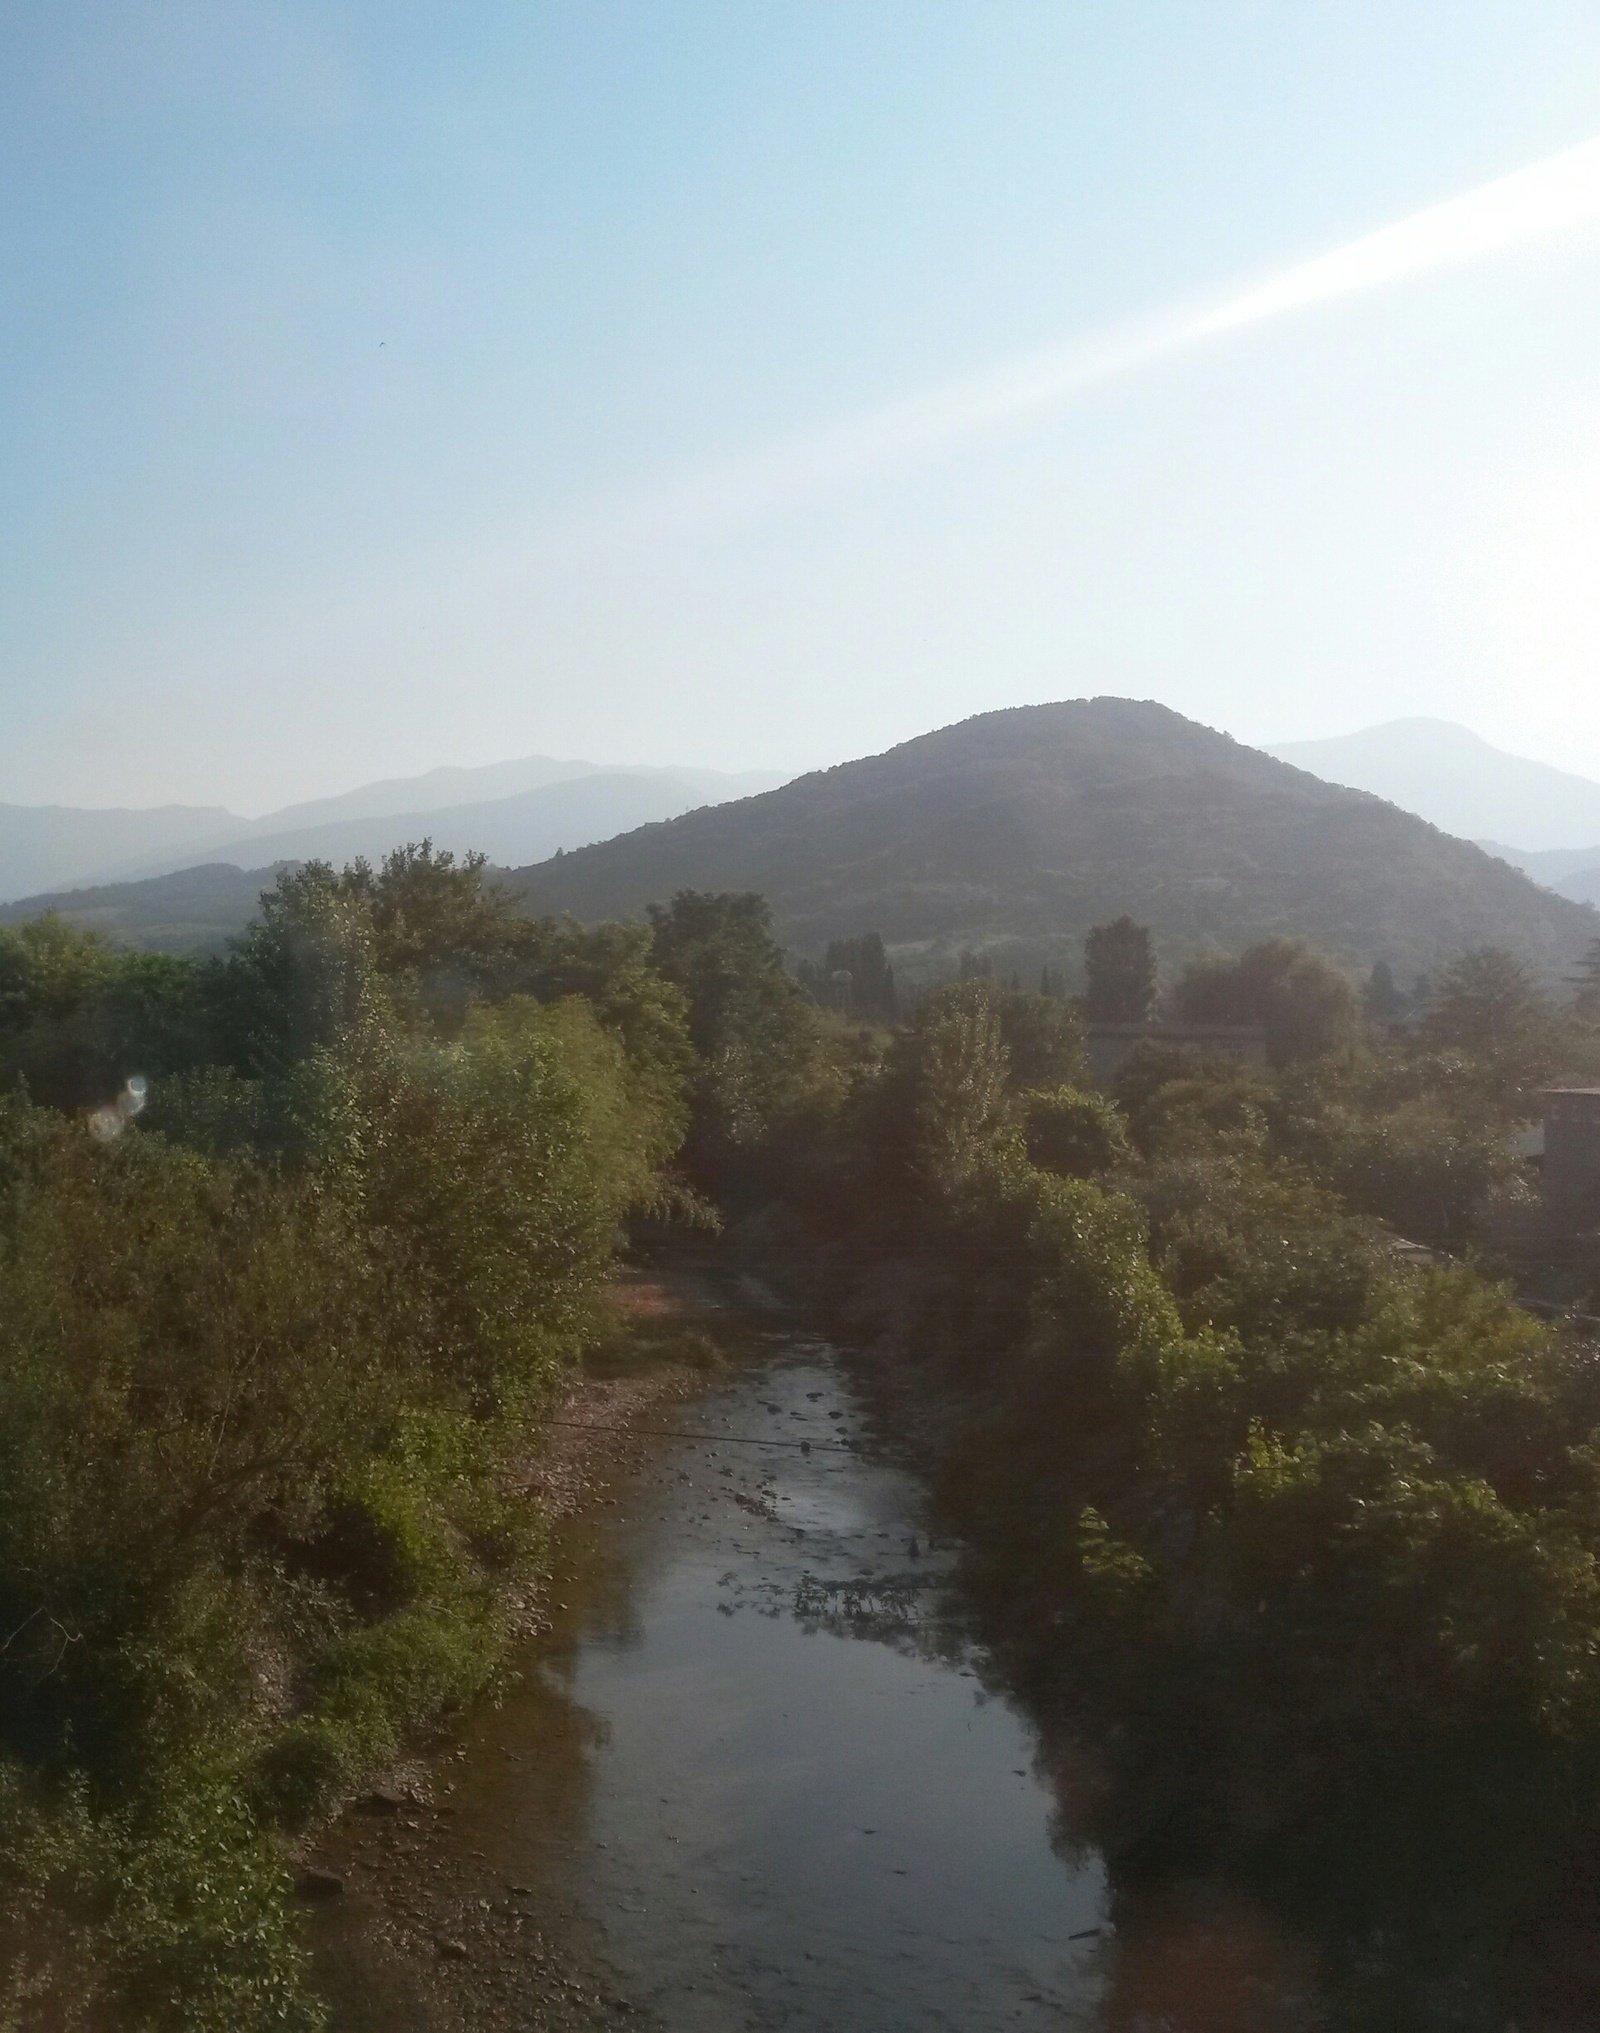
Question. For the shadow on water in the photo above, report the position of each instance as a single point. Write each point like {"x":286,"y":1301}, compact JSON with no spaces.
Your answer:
{"x":717,"y":1796}
{"x":760,"y":1774}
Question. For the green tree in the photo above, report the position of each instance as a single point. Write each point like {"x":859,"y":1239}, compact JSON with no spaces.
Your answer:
{"x":79,"y":1018}
{"x":854,"y":978}
{"x":1303,"y":1003}
{"x":1381,"y":1000}
{"x":1422,"y":1163}
{"x":754,"y":1032}
{"x":1487,"y":1009}
{"x":438,"y":925}
{"x":962,"y":1066}
{"x":1043,"y":1037}
{"x":1074,"y":1133}
{"x":301,"y":978}
{"x":1121,"y":965}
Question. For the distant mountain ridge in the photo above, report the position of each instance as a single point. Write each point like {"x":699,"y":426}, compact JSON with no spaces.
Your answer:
{"x":1006,"y":835}
{"x":571,"y":812}
{"x":538,"y":804}
{"x":46,"y":846}
{"x":1451,"y":777}
{"x":1570,"y":871}
{"x":1015,"y":831}
{"x":450,"y":789}
{"x":195,"y":911}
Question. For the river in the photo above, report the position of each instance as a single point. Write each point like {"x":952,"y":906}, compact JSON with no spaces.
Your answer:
{"x":758,"y":1774}
{"x":751,"y":1777}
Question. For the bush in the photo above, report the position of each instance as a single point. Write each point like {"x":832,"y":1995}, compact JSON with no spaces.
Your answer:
{"x":264,"y":1354}
{"x":1073,"y":1133}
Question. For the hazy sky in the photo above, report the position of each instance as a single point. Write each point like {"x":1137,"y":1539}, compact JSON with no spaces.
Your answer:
{"x":758,"y":384}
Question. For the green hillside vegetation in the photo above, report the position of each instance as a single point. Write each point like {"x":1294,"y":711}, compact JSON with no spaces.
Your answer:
{"x":196,"y":911}
{"x":1303,"y":1539}
{"x":1014,"y":832}
{"x":295,"y":1245}
{"x":293,"y":1248}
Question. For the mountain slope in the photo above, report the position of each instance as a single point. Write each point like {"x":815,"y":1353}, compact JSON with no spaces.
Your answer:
{"x":1451,"y":778}
{"x":195,"y":911}
{"x":56,"y":847}
{"x":1015,"y":831}
{"x":50,"y":846}
{"x":1570,"y":871}
{"x":566,"y":814}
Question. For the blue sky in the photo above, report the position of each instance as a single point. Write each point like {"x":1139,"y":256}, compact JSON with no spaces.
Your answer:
{"x":387,"y":385}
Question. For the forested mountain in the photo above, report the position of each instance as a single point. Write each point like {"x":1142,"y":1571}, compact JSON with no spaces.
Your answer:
{"x":1570,"y":871}
{"x":1013,"y":832}
{"x":1009,"y":834}
{"x":195,"y":911}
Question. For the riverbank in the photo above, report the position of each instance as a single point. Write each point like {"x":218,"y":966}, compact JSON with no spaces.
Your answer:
{"x":747,"y":1775}
{"x":404,"y":1936}
{"x":1412,"y":1895}
{"x":772,"y":1756}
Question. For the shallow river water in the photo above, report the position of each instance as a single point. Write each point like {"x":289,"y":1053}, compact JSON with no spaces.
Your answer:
{"x":751,"y":1772}
{"x":755,"y":1777}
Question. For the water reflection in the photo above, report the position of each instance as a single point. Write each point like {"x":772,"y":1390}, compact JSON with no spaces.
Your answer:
{"x":791,"y":1828}
{"x":758,"y":1776}
{"x":738,"y":1812}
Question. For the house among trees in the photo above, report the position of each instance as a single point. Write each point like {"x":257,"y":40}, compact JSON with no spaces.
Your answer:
{"x":1215,"y":1004}
{"x":1111,"y":1045}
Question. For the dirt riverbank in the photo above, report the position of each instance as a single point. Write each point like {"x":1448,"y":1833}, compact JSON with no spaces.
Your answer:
{"x":408,"y":1937}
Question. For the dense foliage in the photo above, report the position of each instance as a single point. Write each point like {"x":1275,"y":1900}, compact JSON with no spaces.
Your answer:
{"x":1119,"y":967}
{"x":268,"y":1346}
{"x":295,"y":1244}
{"x":1305,"y":1537}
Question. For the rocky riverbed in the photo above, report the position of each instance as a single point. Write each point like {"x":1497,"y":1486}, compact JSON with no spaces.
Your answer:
{"x":746,"y":1774}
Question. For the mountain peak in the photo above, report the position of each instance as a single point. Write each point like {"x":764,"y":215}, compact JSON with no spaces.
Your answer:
{"x":1014,"y":831}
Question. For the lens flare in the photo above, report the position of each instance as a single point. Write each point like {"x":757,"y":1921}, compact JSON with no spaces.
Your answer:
{"x":1549,"y":202}
{"x":106,"y":1124}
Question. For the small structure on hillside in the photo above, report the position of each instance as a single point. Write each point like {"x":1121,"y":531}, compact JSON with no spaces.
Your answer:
{"x":1572,"y":1158}
{"x":1112,"y":1045}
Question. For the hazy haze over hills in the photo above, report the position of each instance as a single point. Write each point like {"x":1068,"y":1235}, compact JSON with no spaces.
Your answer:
{"x":1570,"y":871}
{"x":448,"y":789}
{"x":1450,"y":777}
{"x":1015,"y":831}
{"x":47,"y":846}
{"x":196,"y":910}
{"x":512,"y":811}
{"x":1010,"y":833}
{"x":565,"y":814}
